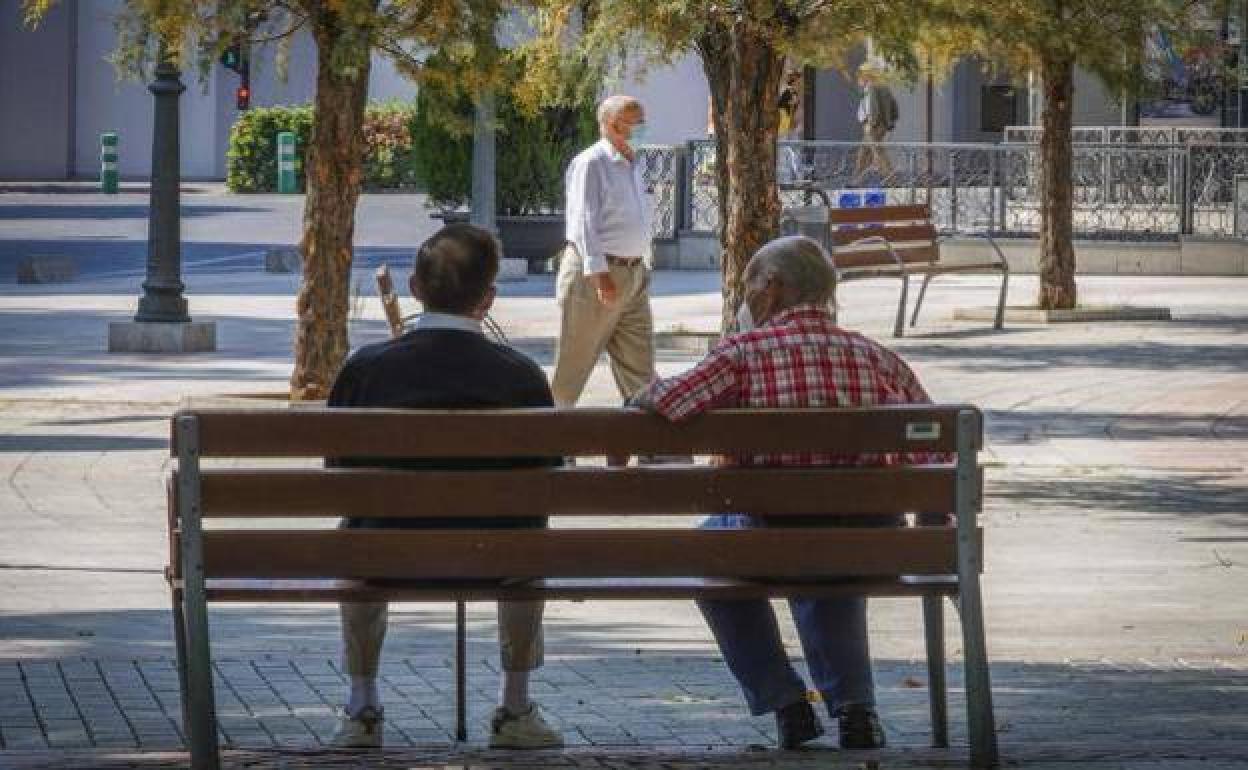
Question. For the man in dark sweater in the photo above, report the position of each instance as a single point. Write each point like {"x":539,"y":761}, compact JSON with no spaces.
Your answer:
{"x":446,"y":362}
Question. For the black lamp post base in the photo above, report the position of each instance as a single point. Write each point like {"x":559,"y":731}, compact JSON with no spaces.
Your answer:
{"x":156,"y":337}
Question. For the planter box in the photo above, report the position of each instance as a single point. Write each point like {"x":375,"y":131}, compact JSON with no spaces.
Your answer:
{"x":534,"y":239}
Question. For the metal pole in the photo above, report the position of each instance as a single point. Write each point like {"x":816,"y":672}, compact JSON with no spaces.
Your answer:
{"x":483,"y":164}
{"x":162,"y":299}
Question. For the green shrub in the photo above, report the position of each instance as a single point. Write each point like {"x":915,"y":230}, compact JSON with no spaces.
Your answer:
{"x":389,"y":161}
{"x":252,"y":156}
{"x":532,"y":152}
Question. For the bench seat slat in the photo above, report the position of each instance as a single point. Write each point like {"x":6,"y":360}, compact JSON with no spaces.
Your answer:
{"x":298,"y":432}
{"x":329,"y":590}
{"x":568,"y":553}
{"x":368,"y":492}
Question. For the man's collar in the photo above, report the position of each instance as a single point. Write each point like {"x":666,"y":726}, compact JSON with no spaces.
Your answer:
{"x":797,"y":311}
{"x":613,"y":154}
{"x":445,"y":321}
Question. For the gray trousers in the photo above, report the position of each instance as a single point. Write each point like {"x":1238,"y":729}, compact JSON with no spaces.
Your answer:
{"x":588,"y":328}
{"x":520,"y":643}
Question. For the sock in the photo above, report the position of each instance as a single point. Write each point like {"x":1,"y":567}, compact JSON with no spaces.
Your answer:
{"x":363,"y":694}
{"x":514,"y":693}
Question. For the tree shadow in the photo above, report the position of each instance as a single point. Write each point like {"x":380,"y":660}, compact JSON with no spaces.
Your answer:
{"x":35,"y":442}
{"x":1179,"y":494}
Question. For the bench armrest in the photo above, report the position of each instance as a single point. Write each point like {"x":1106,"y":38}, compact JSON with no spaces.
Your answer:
{"x":888,"y":245}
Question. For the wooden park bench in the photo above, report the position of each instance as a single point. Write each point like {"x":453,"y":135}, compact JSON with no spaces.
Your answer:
{"x":238,"y":465}
{"x":897,"y":242}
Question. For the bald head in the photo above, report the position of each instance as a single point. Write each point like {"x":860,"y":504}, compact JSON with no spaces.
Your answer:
{"x":799,"y":269}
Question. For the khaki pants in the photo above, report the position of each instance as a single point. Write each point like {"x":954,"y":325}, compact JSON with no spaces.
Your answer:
{"x":520,"y":643}
{"x":871,"y":153}
{"x":588,"y":328}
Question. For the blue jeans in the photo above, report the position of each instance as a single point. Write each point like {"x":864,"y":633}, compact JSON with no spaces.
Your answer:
{"x":833,"y":632}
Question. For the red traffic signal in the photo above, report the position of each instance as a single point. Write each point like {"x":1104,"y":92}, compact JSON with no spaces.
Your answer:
{"x":242,"y":97}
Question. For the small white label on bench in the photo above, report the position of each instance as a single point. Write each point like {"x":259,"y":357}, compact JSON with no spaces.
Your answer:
{"x":922,"y":431}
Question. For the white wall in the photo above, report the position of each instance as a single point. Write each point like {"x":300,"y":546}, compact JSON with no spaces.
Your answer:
{"x":35,"y":92}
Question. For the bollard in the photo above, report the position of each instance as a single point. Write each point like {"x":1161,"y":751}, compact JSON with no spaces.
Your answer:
{"x":108,"y":162}
{"x":286,"y":163}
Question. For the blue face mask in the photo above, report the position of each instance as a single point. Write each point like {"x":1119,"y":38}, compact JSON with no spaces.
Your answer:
{"x":638,"y":136}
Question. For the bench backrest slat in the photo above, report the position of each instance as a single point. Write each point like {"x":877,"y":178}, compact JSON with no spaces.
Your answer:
{"x":324,"y":432}
{"x":362,"y":553}
{"x":895,"y":234}
{"x":918,"y":212}
{"x":576,"y":491}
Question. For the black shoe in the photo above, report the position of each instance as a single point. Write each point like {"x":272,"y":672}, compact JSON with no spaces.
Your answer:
{"x":796,"y":724}
{"x":860,"y":727}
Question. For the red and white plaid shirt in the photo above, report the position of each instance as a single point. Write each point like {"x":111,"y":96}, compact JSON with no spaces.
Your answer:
{"x":799,"y":358}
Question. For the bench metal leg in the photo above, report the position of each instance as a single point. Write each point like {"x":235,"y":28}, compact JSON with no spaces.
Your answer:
{"x":918,"y":303}
{"x":179,"y":642}
{"x":934,"y":631}
{"x":461,"y":673}
{"x":999,"y":322}
{"x":980,"y":722}
{"x":201,"y":726}
{"x":899,"y":328}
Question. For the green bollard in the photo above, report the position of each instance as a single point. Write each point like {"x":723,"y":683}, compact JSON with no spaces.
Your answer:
{"x":108,"y":162}
{"x":286,"y":163}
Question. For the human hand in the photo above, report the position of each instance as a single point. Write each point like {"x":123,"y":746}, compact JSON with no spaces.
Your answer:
{"x":604,"y":287}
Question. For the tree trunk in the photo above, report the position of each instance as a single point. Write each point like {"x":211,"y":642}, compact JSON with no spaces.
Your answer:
{"x":744,"y":71}
{"x":1057,"y":250}
{"x":334,"y":172}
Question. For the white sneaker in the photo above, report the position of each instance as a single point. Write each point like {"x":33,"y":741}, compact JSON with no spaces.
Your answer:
{"x":362,"y":731}
{"x":522,"y":731}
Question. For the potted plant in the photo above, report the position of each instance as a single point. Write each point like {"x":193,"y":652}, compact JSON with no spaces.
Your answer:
{"x":533,"y":149}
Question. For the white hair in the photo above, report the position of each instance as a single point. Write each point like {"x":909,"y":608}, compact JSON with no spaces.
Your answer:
{"x":800,"y":264}
{"x":613,"y":105}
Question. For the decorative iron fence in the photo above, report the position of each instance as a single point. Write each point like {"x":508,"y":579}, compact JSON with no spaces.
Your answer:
{"x":1122,"y":191}
{"x":1134,"y":135}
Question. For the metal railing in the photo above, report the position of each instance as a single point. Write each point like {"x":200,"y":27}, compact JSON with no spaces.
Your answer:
{"x":1121,"y":191}
{"x":1134,"y":135}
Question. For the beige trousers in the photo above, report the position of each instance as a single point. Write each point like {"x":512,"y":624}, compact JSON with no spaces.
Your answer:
{"x":520,"y":643}
{"x":588,"y":328}
{"x":872,"y":154}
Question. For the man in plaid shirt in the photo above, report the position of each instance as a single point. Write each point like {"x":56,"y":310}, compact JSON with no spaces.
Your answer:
{"x":790,"y":353}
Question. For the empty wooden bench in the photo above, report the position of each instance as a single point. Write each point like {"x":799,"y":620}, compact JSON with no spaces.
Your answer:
{"x":237,"y":465}
{"x":897,"y":242}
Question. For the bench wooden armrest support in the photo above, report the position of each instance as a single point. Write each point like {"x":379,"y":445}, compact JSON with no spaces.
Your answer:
{"x":304,"y":561}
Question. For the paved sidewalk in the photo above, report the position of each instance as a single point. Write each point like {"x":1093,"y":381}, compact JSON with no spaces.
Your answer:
{"x":1116,"y":517}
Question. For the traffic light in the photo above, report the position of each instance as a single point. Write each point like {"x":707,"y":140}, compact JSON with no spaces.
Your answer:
{"x":242,"y":97}
{"x":232,"y":58}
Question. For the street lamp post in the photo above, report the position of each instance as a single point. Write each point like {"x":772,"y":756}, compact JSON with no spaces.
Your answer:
{"x":162,"y":299}
{"x":162,"y":324}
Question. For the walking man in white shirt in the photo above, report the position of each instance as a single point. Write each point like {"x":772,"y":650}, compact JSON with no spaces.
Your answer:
{"x":603,"y":289}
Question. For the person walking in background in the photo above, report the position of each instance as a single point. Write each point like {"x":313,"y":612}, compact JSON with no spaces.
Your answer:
{"x":603,"y":288}
{"x":877,"y":113}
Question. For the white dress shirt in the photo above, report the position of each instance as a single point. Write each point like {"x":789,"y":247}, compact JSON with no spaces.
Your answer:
{"x":604,"y":210}
{"x":444,"y":321}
